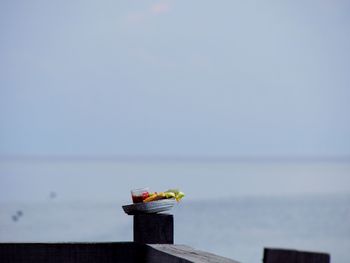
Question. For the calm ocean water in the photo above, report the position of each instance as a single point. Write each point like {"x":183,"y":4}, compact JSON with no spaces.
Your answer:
{"x":231,"y":209}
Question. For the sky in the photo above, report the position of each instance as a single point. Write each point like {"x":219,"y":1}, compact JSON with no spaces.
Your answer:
{"x":175,"y":78}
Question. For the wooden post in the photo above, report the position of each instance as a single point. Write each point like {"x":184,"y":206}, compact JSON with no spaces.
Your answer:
{"x":294,"y":256}
{"x":154,"y":228}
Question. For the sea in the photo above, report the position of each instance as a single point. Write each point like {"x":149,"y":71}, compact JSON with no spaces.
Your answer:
{"x":233,"y":208}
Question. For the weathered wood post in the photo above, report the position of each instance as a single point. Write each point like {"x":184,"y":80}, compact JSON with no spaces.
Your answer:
{"x":154,"y":228}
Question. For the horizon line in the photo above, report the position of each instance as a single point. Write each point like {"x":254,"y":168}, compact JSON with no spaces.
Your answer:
{"x":176,"y":158}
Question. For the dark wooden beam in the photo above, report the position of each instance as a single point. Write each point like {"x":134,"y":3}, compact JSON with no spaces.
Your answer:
{"x":273,"y":255}
{"x":127,"y":252}
{"x":123,"y":252}
{"x":160,"y":253}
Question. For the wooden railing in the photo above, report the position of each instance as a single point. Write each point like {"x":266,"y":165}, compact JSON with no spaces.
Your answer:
{"x":153,"y":243}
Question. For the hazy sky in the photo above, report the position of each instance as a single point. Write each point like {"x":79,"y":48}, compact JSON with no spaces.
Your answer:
{"x":208,"y":78}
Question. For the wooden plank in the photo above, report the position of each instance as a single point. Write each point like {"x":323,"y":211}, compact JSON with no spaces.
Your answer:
{"x":182,"y":254}
{"x":273,"y":255}
{"x":127,"y":252}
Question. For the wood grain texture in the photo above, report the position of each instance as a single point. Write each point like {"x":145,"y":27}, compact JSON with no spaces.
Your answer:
{"x":182,"y":254}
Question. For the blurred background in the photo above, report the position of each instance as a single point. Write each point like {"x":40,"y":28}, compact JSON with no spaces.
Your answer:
{"x":243,"y":105}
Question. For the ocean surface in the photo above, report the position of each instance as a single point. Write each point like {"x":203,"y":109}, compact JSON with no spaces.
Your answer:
{"x":233,"y":209}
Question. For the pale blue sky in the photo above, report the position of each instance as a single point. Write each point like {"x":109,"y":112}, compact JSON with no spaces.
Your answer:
{"x":188,"y":78}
